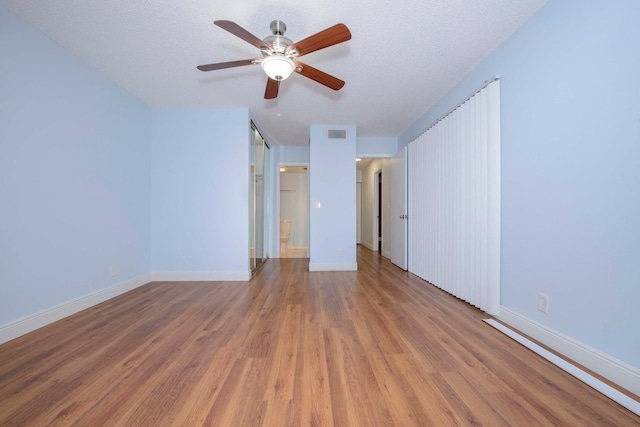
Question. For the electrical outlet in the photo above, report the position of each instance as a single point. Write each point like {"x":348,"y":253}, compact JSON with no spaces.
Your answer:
{"x":113,"y":270}
{"x":543,"y":303}
{"x":340,"y":253}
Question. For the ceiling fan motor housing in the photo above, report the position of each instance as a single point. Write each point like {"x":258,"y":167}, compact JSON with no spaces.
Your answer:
{"x":277,"y":40}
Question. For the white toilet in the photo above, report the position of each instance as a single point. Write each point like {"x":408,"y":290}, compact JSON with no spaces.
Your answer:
{"x":285,"y":231}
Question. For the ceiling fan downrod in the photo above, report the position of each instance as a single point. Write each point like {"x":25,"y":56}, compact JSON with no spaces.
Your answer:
{"x":277,"y":40}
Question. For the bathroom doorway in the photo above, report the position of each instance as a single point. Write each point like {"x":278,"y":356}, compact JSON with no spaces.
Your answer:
{"x":294,"y":211}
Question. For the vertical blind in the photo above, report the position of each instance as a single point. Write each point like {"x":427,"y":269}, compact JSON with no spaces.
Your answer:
{"x":454,"y":203}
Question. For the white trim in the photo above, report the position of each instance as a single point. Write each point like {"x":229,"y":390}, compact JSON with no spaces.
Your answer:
{"x":333,"y":266}
{"x":369,"y":246}
{"x":201,"y":276}
{"x":30,"y":323}
{"x":614,"y":370}
{"x":590,"y":380}
{"x":386,"y":254}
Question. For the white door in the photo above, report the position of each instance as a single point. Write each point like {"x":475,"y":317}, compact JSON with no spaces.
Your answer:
{"x":399,"y":223}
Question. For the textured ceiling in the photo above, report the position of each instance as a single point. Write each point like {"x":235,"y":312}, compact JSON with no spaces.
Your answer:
{"x":403,"y":55}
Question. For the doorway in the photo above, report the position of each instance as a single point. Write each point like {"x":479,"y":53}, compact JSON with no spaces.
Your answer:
{"x":294,"y":211}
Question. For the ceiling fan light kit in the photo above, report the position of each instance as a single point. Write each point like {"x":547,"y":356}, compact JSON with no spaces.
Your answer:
{"x":280,"y":54}
{"x":278,"y":67}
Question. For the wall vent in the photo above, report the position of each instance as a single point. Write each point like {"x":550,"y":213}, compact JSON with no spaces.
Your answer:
{"x":337,"y":134}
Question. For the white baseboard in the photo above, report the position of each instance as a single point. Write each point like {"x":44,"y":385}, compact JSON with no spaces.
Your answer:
{"x":333,"y":266}
{"x":30,"y":323}
{"x":201,"y":276}
{"x":369,"y":246}
{"x":386,"y":254}
{"x":614,"y":370}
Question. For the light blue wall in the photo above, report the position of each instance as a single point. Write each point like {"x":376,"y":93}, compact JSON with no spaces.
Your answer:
{"x":332,"y":178}
{"x":570,"y":102}
{"x":290,"y":155}
{"x":376,"y":147}
{"x":200,"y":190}
{"x":87,"y":171}
{"x":74,"y":175}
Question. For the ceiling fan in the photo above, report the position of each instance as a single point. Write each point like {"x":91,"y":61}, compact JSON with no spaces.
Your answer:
{"x":279,"y":54}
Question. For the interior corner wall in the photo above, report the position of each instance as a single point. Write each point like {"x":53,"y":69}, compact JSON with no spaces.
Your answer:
{"x":332,"y":194}
{"x":200,"y":194}
{"x":369,"y":215}
{"x":569,"y":134}
{"x":74,"y":182}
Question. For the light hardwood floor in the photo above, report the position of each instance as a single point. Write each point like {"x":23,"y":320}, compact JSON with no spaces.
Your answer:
{"x":375,"y":347}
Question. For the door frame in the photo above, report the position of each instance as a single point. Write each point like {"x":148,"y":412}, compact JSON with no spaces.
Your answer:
{"x":277,"y":206}
{"x":378,"y":242}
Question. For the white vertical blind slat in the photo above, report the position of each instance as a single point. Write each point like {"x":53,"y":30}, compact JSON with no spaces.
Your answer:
{"x":454,"y":212}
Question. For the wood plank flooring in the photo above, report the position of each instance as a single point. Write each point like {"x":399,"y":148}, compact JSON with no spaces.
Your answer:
{"x":377,"y":347}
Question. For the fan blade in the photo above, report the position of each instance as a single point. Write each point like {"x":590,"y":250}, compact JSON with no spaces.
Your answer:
{"x":245,"y":35}
{"x":222,"y":65}
{"x":272,"y":89}
{"x":319,"y":76}
{"x":333,"y":35}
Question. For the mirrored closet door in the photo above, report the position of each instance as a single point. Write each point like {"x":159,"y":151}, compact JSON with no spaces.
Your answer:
{"x":258,"y":203}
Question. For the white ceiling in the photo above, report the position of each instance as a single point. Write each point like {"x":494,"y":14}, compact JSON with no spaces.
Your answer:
{"x":403,"y":55}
